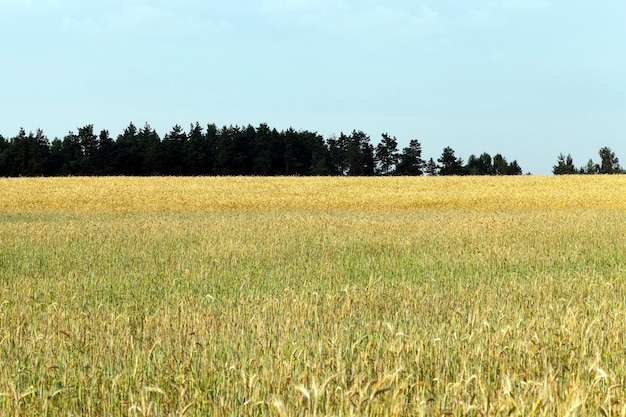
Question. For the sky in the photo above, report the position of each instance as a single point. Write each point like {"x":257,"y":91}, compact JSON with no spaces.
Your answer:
{"x":529,"y":79}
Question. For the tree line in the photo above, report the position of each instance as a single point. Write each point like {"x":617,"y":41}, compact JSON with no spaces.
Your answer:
{"x":609,"y":164}
{"x":230,"y":150}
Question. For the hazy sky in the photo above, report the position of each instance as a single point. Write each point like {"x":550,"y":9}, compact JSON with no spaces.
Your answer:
{"x":525,"y":78}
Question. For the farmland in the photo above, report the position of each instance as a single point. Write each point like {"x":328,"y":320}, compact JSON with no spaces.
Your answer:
{"x":313,"y":296}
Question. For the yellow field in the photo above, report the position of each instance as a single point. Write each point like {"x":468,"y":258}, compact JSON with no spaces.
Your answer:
{"x":140,"y":195}
{"x":313,"y":296}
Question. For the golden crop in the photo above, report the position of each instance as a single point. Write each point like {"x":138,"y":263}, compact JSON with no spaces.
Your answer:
{"x":122,"y":195}
{"x":313,"y":296}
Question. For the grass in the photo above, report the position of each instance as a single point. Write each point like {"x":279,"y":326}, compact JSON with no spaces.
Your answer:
{"x":316,"y":296}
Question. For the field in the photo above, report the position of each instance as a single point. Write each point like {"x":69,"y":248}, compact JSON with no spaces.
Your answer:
{"x":313,"y":296}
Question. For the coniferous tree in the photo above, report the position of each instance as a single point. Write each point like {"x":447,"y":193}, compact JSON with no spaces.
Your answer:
{"x":72,"y":155}
{"x":172,"y":151}
{"x":485,"y":165}
{"x":39,"y":151}
{"x":18,"y":154}
{"x":590,"y":169}
{"x":368,"y":164}
{"x":500,"y":165}
{"x":211,"y":141}
{"x":360,"y":154}
{"x":432,"y":168}
{"x":244,"y":145}
{"x":105,"y":155}
{"x":291,"y":162}
{"x":355,"y":155}
{"x":89,"y":148}
{"x":276,"y":141}
{"x":481,"y":165}
{"x":314,"y":153}
{"x":262,"y":162}
{"x":129,"y":160}
{"x":149,"y":153}
{"x":564,"y":165}
{"x":410,"y":160}
{"x":387,"y":155}
{"x":195,"y":151}
{"x":4,"y":167}
{"x":27,"y":155}
{"x":226,"y":150}
{"x":338,"y":155}
{"x":308,"y":152}
{"x":56,"y":158}
{"x":514,"y":168}
{"x":450,"y":164}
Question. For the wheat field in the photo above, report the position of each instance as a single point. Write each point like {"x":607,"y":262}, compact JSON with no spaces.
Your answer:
{"x":313,"y":296}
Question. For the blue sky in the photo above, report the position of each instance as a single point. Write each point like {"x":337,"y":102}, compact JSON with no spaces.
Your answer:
{"x":525,"y":78}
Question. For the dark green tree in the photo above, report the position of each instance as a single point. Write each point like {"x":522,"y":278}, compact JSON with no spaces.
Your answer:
{"x":449,"y":163}
{"x":564,"y":165}
{"x":226,"y":151}
{"x":368,"y":166}
{"x":27,"y":155}
{"x":56,"y":158}
{"x":338,"y":155}
{"x":211,"y":139}
{"x":72,"y":155}
{"x":263,"y":143}
{"x":360,"y":154}
{"x":18,"y":154}
{"x":4,"y":166}
{"x":387,"y":155}
{"x":514,"y":168}
{"x":308,"y":152}
{"x":292,"y":164}
{"x":432,"y":168}
{"x":149,"y":153}
{"x":355,"y":155}
{"x":196,"y":152}
{"x":314,"y":153}
{"x":410,"y":160}
{"x":590,"y":169}
{"x":172,"y":151}
{"x":129,"y":160}
{"x":609,"y":163}
{"x":481,"y":165}
{"x":39,"y":151}
{"x":89,"y":148}
{"x":245,"y":146}
{"x":500,"y":165}
{"x":105,"y":154}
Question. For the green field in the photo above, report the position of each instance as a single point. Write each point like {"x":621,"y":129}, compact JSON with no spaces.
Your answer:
{"x":313,"y":297}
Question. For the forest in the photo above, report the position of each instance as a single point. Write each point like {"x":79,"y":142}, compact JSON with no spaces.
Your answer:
{"x":231,"y":150}
{"x":609,"y":164}
{"x":248,"y":150}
